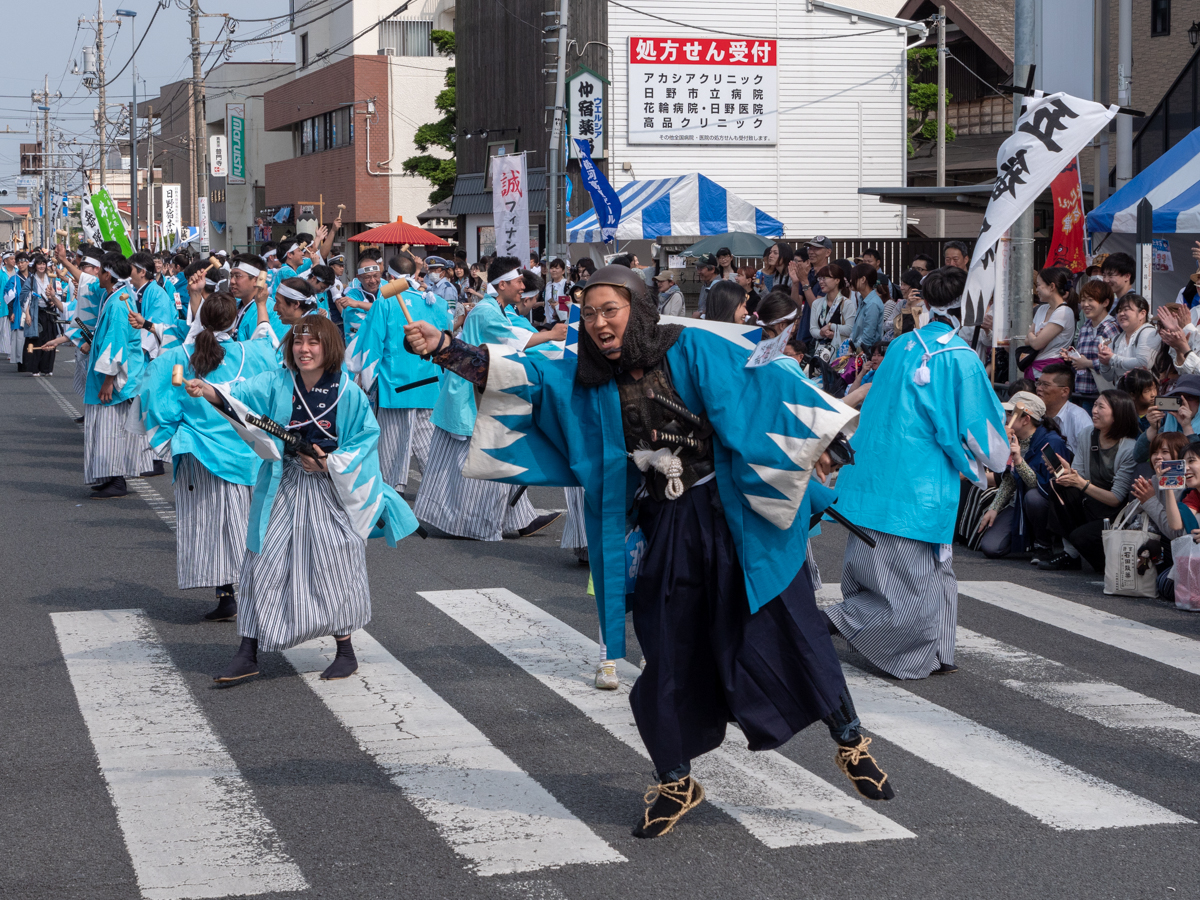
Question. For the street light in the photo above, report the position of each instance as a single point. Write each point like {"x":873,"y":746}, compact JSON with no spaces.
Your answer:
{"x":133,"y":165}
{"x":1194,"y":33}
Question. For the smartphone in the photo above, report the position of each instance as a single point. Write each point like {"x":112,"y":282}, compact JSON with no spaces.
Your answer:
{"x":1051,"y":459}
{"x":1168,"y":404}
{"x":1172,"y":475}
{"x":1071,"y":353}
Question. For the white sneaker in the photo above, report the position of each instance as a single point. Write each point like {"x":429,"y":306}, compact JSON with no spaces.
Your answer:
{"x":606,"y":676}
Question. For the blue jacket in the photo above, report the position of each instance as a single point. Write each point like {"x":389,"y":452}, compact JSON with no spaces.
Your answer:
{"x":117,"y":350}
{"x":455,"y":408}
{"x":1022,"y":539}
{"x":868,"y":325}
{"x":377,"y":355}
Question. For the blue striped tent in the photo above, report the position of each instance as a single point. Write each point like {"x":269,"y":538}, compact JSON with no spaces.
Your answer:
{"x":1172,"y":185}
{"x":686,"y":205}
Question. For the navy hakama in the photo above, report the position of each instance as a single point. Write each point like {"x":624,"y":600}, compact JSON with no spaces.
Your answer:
{"x":211,"y":516}
{"x":466,"y":507}
{"x":900,"y":605}
{"x":310,"y":579}
{"x":109,"y":449}
{"x":709,"y":660}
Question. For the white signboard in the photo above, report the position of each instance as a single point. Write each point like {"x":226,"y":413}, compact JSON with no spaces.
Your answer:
{"x":172,"y":221}
{"x":585,"y":112}
{"x":702,"y":91}
{"x":27,"y":181}
{"x":510,"y":205}
{"x":88,"y":221}
{"x":218,"y":160}
{"x":202,"y":220}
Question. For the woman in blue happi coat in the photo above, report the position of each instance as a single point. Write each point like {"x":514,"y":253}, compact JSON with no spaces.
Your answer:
{"x":304,"y":575}
{"x":652,"y":421}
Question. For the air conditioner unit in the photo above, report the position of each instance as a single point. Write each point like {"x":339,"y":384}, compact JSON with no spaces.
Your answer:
{"x":387,"y":51}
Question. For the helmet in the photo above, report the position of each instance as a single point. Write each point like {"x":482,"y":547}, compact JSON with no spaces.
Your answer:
{"x":619,"y":276}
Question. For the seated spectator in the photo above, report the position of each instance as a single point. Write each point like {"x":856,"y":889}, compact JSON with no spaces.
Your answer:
{"x":857,"y":392}
{"x":1135,"y":346}
{"x":1054,"y":387}
{"x":833,"y":314}
{"x":726,"y":302}
{"x":1017,"y":519}
{"x":1020,"y":384}
{"x":912,"y":313}
{"x":868,"y":324}
{"x":1142,"y":386}
{"x":1181,"y":515}
{"x":670,"y":297}
{"x":1187,"y":390}
{"x":745,"y":277}
{"x":1053,"y":327}
{"x":1094,"y":487}
{"x":1164,"y":448}
{"x":1096,"y":326}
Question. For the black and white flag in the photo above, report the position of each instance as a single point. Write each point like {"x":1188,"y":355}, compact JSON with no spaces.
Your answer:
{"x":1053,"y":128}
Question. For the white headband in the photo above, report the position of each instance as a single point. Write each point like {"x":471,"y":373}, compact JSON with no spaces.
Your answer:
{"x":368,"y":268}
{"x":90,"y":261}
{"x":269,"y":254}
{"x":786,"y":318}
{"x":248,"y":269}
{"x":507,"y":276}
{"x":296,"y":296}
{"x":393,"y":273}
{"x":113,"y":275}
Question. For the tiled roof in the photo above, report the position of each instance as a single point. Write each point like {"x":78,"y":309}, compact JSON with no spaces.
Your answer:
{"x":989,"y":23}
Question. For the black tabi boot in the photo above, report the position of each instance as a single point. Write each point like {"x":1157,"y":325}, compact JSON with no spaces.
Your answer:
{"x":226,"y":610}
{"x":101,"y":485}
{"x":111,"y":491}
{"x":344,"y":663}
{"x":864,"y":773}
{"x":244,"y":662}
{"x":666,"y":805}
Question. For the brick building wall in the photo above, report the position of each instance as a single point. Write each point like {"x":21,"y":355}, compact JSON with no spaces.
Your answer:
{"x":339,"y":174}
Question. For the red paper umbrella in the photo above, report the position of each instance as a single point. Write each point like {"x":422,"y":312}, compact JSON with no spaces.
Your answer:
{"x":400,"y":232}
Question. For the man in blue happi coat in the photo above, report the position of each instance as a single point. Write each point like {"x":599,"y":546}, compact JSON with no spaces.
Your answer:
{"x":652,"y":421}
{"x":931,"y":401}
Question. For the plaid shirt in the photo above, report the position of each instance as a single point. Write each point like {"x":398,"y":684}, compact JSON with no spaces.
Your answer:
{"x":1088,"y":344}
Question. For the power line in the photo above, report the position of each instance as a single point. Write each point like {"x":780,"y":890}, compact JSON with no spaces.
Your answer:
{"x":162,"y":4}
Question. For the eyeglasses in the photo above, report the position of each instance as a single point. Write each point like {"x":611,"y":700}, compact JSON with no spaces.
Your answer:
{"x":589,"y":313}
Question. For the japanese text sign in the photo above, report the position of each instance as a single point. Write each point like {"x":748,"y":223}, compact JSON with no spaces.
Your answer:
{"x":702,"y":91}
{"x":218,"y":162}
{"x":172,"y":219}
{"x":236,"y":129}
{"x":510,"y":204}
{"x":585,"y":111}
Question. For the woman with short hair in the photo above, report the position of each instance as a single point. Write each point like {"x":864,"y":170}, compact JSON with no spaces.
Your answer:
{"x":1136,"y":345}
{"x":317,"y":499}
{"x":833,"y":315}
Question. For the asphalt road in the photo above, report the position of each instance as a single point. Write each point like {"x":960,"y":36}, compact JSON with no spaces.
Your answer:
{"x":1016,"y":777}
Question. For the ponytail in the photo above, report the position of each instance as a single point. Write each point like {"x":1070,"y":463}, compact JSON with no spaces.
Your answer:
{"x":208,"y":353}
{"x":216,"y":315}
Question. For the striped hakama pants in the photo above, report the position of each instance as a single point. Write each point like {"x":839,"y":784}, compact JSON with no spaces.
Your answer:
{"x":211,"y":516}
{"x":310,"y":579}
{"x":466,"y":507}
{"x":109,"y":450}
{"x":79,"y":378}
{"x":900,"y":605}
{"x":574,"y":535}
{"x":403,"y":434}
{"x":6,"y":338}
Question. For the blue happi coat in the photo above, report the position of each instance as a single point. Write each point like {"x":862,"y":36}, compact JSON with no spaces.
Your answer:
{"x":374,"y":508}
{"x":14,"y":288}
{"x":917,"y":439}
{"x":117,"y":350}
{"x":537,"y":426}
{"x":376,"y":352}
{"x":157,"y":306}
{"x":455,"y":408}
{"x":192,"y":424}
{"x":352,"y":317}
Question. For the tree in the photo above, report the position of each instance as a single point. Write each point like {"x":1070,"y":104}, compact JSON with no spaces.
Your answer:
{"x":440,"y":171}
{"x":923,"y":100}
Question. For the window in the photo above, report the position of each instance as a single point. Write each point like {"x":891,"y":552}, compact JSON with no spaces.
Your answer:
{"x":327,"y":131}
{"x":1160,"y":18}
{"x":406,"y":37}
{"x":304,"y":50}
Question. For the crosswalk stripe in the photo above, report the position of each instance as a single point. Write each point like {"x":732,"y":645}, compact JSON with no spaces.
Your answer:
{"x":1061,"y":796}
{"x":1073,"y":691}
{"x":191,"y":824}
{"x":1164,"y":647}
{"x":776,"y":800}
{"x":488,"y":809}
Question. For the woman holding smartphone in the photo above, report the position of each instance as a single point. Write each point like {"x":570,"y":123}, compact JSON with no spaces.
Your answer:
{"x":1096,"y":326}
{"x":1095,"y":486}
{"x":1135,"y":346}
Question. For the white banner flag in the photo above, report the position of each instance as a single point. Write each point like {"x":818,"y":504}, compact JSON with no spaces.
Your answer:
{"x":87,"y":220}
{"x":1052,"y":129}
{"x":510,"y":205}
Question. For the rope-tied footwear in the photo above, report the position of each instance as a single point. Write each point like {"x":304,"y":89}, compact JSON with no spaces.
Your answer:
{"x":859,"y":766}
{"x":666,"y":805}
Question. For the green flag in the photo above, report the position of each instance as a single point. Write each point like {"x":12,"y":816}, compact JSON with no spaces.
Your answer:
{"x":109,"y":220}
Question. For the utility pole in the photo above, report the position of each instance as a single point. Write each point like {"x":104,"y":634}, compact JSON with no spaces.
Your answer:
{"x":1020,"y":287}
{"x":102,"y":120}
{"x":198,"y":113}
{"x":43,"y":100}
{"x":941,"y":115}
{"x":556,"y":133}
{"x":1124,"y":98}
{"x":150,"y":177}
{"x":1101,"y":156}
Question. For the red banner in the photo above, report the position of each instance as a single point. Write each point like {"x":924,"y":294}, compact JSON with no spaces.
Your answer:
{"x":1067,"y":247}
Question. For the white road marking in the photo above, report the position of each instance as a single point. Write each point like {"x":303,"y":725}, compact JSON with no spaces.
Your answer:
{"x":779,"y":802}
{"x":1155,"y":644}
{"x":191,"y":824}
{"x":1061,"y":796}
{"x":488,"y":809}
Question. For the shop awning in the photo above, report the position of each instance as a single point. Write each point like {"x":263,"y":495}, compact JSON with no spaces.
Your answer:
{"x":1172,"y":185}
{"x":686,"y":206}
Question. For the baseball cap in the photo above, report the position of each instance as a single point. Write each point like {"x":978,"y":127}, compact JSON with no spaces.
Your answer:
{"x":1185,"y":384}
{"x":820,"y":241}
{"x":1032,"y":404}
{"x":665,"y":275}
{"x":706,"y":260}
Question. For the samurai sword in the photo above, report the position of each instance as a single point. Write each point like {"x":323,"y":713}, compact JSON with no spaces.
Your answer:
{"x":88,"y":334}
{"x":842,"y":520}
{"x":417,"y":384}
{"x":517,"y":496}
